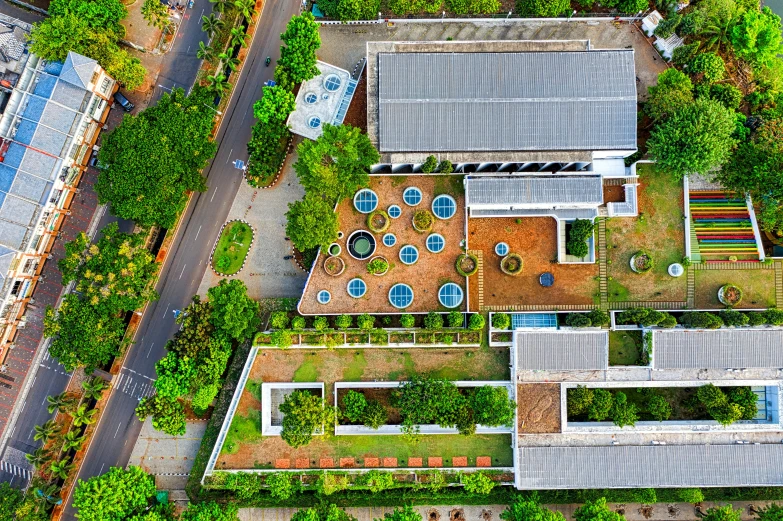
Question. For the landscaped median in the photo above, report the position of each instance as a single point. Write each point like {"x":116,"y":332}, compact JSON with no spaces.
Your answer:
{"x":233,"y":244}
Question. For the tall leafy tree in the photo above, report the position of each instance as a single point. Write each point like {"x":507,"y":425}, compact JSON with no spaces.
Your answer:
{"x":337,"y":164}
{"x":168,"y":415}
{"x":116,"y":272}
{"x":695,"y":139}
{"x":155,"y":13}
{"x":347,"y":10}
{"x":269,"y":135}
{"x":529,"y":509}
{"x":757,"y":37}
{"x":209,"y":511}
{"x":311,"y":222}
{"x":83,"y":335}
{"x":673,"y":92}
{"x":304,"y":415}
{"x":10,"y":499}
{"x":156,"y":157}
{"x":302,"y":40}
{"x":98,"y":14}
{"x":322,"y":512}
{"x":210,"y":24}
{"x":232,"y":310}
{"x":596,"y":511}
{"x":114,"y":496}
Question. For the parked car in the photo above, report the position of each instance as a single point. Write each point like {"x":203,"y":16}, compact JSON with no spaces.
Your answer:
{"x":95,"y":164}
{"x":123,"y":102}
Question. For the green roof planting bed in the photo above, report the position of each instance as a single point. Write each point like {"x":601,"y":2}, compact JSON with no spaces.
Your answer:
{"x":232,"y":246}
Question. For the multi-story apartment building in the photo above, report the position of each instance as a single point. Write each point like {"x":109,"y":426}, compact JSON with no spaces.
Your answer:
{"x":50,"y":116}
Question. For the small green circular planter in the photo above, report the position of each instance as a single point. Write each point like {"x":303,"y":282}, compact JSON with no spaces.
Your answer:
{"x":466,"y":264}
{"x":378,"y":221}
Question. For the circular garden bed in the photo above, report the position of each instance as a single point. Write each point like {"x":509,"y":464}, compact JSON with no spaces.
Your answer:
{"x":511,"y":264}
{"x":729,"y":295}
{"x":378,"y":265}
{"x":378,"y":221}
{"x":466,"y":264}
{"x":230,"y":252}
{"x":642,"y":262}
{"x":422,"y":221}
{"x":334,"y":266}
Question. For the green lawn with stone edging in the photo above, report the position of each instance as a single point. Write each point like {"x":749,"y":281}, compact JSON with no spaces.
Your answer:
{"x":232,"y":247}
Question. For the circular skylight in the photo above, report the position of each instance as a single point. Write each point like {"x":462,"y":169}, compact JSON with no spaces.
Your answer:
{"x":389,"y":240}
{"x":324,"y":297}
{"x":357,"y":288}
{"x":361,"y":245}
{"x":365,"y":200}
{"x":411,"y":196}
{"x":332,"y":82}
{"x":436,"y":243}
{"x":501,"y":249}
{"x":450,"y":295}
{"x":401,"y":296}
{"x":311,"y":98}
{"x":394,"y":211}
{"x":409,"y":254}
{"x":314,"y":122}
{"x":444,"y":206}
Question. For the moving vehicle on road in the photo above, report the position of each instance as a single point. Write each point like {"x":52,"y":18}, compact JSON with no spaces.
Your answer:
{"x":268,"y":60}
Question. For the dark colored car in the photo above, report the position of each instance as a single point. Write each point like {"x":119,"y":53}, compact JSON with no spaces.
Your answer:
{"x":124,"y":102}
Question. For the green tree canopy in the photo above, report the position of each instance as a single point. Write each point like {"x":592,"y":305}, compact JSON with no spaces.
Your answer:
{"x":302,"y":40}
{"x":673,"y":92}
{"x":305,"y":414}
{"x":210,"y":511}
{"x":337,"y":164}
{"x":154,"y":158}
{"x":347,"y":10}
{"x":724,"y":513}
{"x":83,"y":334}
{"x":98,"y":14}
{"x":275,"y":105}
{"x":323,"y":512}
{"x":232,"y":310}
{"x":772,"y":512}
{"x":529,"y":509}
{"x":117,"y":271}
{"x":406,"y":513}
{"x":311,"y":222}
{"x":542,"y":8}
{"x":596,"y":511}
{"x":757,"y":37}
{"x":114,"y":496}
{"x":10,"y":499}
{"x":168,"y":415}
{"x":695,"y":139}
{"x":491,"y":406}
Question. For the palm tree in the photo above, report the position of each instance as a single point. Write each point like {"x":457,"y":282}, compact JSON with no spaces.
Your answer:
{"x":94,"y":387}
{"x":83,"y":417}
{"x":59,"y":403}
{"x":239,"y":37}
{"x":48,"y":494}
{"x":72,"y":440}
{"x":218,"y":84}
{"x":205,"y":52}
{"x":717,"y":33}
{"x":45,"y":431}
{"x":210,"y":24}
{"x":232,"y":63}
{"x":247,"y":8}
{"x":38,"y":458}
{"x":61,"y":468}
{"x":218,"y":5}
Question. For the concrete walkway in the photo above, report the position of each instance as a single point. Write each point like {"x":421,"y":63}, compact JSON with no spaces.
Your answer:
{"x":631,"y":511}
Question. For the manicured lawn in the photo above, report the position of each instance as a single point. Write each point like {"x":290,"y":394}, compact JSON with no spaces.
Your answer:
{"x":625,"y":347}
{"x":232,"y":248}
{"x":244,"y":429}
{"x":660,"y":230}
{"x":758,"y":287}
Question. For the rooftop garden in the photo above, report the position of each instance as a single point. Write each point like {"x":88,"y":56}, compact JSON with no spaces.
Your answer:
{"x":626,"y":348}
{"x":757,"y":287}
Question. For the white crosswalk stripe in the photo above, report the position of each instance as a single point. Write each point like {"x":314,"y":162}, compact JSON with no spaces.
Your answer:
{"x":136,"y":385}
{"x":15,"y":470}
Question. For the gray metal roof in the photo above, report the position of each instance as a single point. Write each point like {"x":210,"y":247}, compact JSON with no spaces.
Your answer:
{"x":562,"y":350}
{"x":534,"y":190}
{"x":442,"y":102}
{"x":78,"y":69}
{"x":623,"y":466}
{"x":718,"y":349}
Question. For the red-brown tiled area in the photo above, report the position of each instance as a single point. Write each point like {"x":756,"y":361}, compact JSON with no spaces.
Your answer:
{"x":435,"y":462}
{"x":389,"y":462}
{"x":372,"y":462}
{"x":326,"y":463}
{"x":283,"y":463}
{"x":347,"y":463}
{"x":46,"y":294}
{"x":535,"y":240}
{"x":483,"y":461}
{"x":459,"y":461}
{"x":302,"y":463}
{"x":425,"y":276}
{"x":414,"y":462}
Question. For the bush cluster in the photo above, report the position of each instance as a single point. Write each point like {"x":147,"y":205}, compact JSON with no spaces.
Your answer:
{"x":357,"y":409}
{"x":595,"y":318}
{"x":600,"y":404}
{"x":646,"y":317}
{"x":581,"y":231}
{"x":738,"y":404}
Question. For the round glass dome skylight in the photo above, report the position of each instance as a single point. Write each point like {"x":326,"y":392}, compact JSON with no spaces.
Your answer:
{"x":361,"y":245}
{"x":394,"y":211}
{"x":311,"y":98}
{"x":409,"y":254}
{"x":400,"y":296}
{"x":332,"y":82}
{"x":324,"y":297}
{"x":365,"y":200}
{"x":501,"y":249}
{"x":411,"y":196}
{"x":436,"y":243}
{"x":450,"y":295}
{"x":314,"y":122}
{"x":444,"y":206}
{"x":389,"y":240}
{"x":357,"y":288}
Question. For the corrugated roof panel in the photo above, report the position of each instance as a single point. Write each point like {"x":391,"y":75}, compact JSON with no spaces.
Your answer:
{"x":623,"y":466}
{"x":718,"y":349}
{"x":507,"y":101}
{"x":527,"y":190}
{"x":562,"y":350}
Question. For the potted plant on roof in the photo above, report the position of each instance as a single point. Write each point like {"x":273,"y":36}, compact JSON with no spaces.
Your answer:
{"x":334,"y":266}
{"x":729,"y":295}
{"x":642,"y":262}
{"x":422,"y":221}
{"x":378,"y":221}
{"x":378,"y":266}
{"x":511,"y":264}
{"x":467,"y":264}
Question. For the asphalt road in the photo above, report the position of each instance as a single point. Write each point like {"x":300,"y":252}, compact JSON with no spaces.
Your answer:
{"x":118,"y":429}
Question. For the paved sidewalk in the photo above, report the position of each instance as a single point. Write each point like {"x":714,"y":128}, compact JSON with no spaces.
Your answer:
{"x":163,"y":455}
{"x":631,"y":511}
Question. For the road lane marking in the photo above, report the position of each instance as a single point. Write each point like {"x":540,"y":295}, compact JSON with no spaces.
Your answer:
{"x":118,"y":429}
{"x":229,"y":156}
{"x":183,"y":271}
{"x":167,"y":310}
{"x":213,"y":194}
{"x":199,"y":231}
{"x":150,"y":351}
